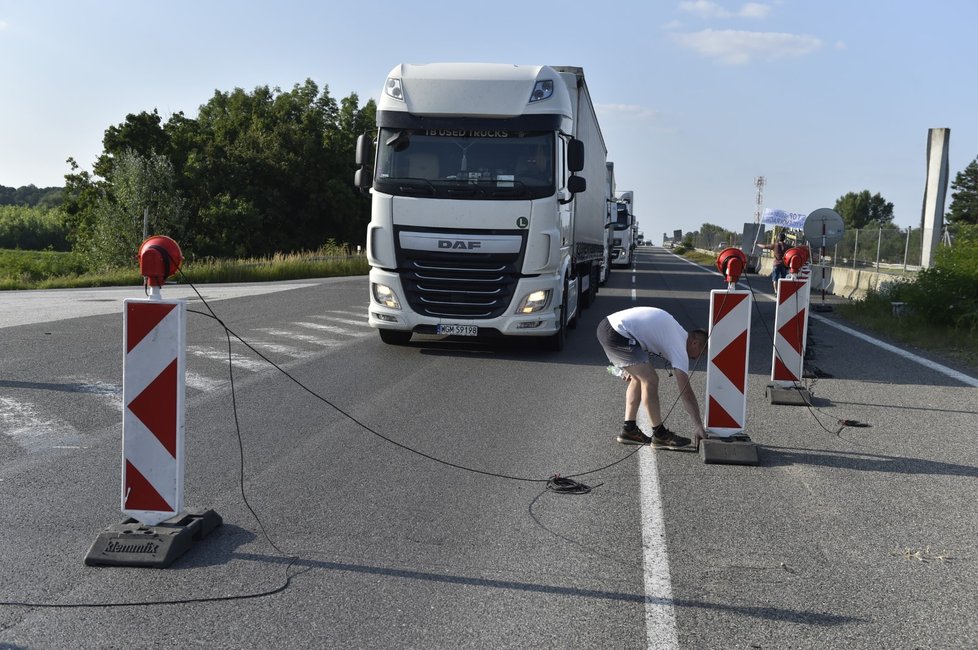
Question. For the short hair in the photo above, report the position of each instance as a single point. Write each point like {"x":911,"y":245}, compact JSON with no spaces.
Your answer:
{"x":782,"y":236}
{"x":700,"y":335}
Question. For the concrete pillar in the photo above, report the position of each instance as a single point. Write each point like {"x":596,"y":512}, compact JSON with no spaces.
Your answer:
{"x":934,"y":193}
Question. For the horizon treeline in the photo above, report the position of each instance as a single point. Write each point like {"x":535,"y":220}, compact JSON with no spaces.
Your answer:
{"x":253,"y":174}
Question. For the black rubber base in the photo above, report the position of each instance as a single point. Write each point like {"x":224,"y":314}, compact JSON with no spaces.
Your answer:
{"x":737,"y":449}
{"x":794,"y":396}
{"x":134,"y":544}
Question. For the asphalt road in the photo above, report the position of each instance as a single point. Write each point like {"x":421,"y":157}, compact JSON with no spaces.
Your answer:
{"x":859,"y":538}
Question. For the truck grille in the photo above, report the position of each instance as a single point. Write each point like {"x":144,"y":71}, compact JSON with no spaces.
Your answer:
{"x":459,"y":285}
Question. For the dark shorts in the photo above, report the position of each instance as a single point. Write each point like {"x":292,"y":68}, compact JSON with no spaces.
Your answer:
{"x":621,"y":351}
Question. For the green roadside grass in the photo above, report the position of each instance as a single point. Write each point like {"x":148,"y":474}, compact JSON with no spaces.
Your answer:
{"x":876,"y":315}
{"x":52,"y":270}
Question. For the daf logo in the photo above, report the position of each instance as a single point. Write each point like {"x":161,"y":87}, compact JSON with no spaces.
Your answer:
{"x":458,"y":243}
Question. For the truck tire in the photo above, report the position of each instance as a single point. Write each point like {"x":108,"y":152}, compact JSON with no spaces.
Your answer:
{"x":395,"y":337}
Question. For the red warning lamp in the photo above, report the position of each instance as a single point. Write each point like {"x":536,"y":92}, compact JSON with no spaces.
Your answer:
{"x":796,"y":258}
{"x":159,"y":258}
{"x":731,"y":262}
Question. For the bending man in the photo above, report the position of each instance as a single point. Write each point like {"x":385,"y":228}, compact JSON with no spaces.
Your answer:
{"x":628,"y":338}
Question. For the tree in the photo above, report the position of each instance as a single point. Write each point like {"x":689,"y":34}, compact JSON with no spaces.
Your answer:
{"x":140,"y":133}
{"x":258,"y":172}
{"x":964,"y":202}
{"x":138,"y":185}
{"x":862,"y":210}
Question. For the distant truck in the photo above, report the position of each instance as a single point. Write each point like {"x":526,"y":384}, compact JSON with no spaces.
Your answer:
{"x":488,"y":204}
{"x":624,"y":231}
{"x":611,"y":213}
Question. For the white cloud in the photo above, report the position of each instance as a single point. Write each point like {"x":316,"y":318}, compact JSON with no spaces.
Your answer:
{"x":704,"y":8}
{"x":739,"y":47}
{"x":708,"y":9}
{"x":3,"y":25}
{"x":754,"y":10}
{"x":625,"y":110}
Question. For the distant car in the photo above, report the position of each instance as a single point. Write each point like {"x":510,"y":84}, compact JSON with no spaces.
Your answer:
{"x":722,"y":245}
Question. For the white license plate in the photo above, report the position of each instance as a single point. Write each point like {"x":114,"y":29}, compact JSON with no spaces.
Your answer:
{"x":457,"y":330}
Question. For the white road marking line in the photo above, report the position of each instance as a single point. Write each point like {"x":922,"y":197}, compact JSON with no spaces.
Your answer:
{"x":245,"y":363}
{"x":332,"y":329}
{"x":22,"y":423}
{"x":660,"y":614}
{"x":348,"y":312}
{"x":305,"y":338}
{"x":202,"y":383}
{"x":347,"y":321}
{"x":111,"y":394}
{"x":278,"y":348}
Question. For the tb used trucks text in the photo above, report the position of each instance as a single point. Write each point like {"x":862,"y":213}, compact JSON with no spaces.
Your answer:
{"x":488,"y":209}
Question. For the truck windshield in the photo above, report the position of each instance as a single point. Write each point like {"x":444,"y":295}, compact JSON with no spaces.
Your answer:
{"x":481,"y":164}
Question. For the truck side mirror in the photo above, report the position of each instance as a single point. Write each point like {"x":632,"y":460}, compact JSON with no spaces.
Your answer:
{"x":575,"y":155}
{"x":362,"y":178}
{"x":364,"y":151}
{"x":576,"y":184}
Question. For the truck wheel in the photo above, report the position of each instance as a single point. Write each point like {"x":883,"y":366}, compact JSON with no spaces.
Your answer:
{"x":395,"y":337}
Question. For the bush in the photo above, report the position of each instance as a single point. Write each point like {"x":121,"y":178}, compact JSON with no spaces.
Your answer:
{"x":947,"y":293}
{"x":20,"y":268}
{"x":33,"y":229}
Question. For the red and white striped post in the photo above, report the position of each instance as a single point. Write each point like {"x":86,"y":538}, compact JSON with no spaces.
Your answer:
{"x":728,"y":352}
{"x":153,"y":424}
{"x":791,"y":320}
{"x":790,"y":332}
{"x":153,"y":386}
{"x":726,"y":373}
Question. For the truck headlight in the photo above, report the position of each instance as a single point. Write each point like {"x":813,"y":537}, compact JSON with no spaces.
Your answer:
{"x":385,"y":296}
{"x":534,"y":302}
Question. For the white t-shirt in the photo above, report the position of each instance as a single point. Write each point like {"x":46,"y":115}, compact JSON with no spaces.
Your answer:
{"x":656,"y":331}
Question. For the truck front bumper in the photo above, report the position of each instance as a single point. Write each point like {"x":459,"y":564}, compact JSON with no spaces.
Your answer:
{"x":541,"y":323}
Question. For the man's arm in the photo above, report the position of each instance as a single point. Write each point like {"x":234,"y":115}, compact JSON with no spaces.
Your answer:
{"x":689,"y":403}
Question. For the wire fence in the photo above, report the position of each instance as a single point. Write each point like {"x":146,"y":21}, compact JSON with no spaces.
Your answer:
{"x":887,"y":250}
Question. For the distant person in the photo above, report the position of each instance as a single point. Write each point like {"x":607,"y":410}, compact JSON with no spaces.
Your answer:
{"x":779,"y":248}
{"x":628,"y":338}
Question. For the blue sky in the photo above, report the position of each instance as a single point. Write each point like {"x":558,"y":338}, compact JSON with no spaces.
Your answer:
{"x":695,"y":97}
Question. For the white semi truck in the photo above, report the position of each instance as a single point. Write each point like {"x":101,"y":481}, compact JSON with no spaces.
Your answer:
{"x":611,"y":207}
{"x":623,"y":230}
{"x":488,"y":205}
